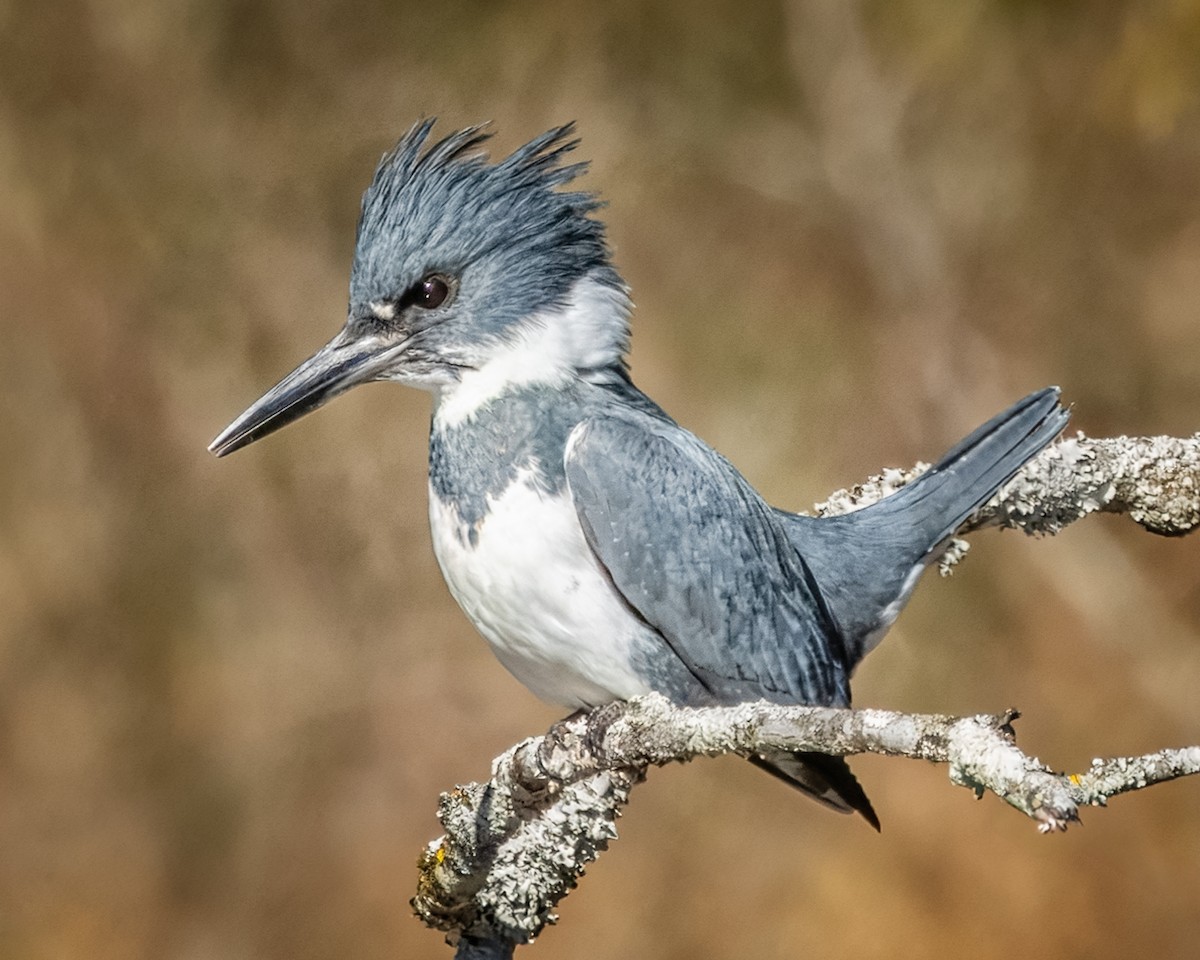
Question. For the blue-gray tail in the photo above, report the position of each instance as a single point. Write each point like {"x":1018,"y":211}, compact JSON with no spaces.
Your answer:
{"x":968,"y":475}
{"x":867,"y":563}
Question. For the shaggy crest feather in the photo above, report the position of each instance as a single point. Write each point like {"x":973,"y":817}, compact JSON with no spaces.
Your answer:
{"x":497,"y":226}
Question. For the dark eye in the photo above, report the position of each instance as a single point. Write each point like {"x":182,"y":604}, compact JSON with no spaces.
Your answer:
{"x":427,"y":294}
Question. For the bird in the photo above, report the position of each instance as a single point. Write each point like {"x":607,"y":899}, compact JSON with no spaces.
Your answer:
{"x":602,"y":550}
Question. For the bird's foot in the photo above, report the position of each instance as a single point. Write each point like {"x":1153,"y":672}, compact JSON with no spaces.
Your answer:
{"x":562,"y":744}
{"x":598,"y":720}
{"x":576,"y":742}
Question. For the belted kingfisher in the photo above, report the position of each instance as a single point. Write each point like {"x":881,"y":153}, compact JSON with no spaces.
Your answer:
{"x":601,"y":549}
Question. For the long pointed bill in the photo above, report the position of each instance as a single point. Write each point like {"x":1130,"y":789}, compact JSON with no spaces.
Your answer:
{"x":335,"y":368}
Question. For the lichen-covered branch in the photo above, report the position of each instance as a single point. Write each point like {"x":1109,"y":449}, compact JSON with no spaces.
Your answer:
{"x":515,"y":845}
{"x":1154,"y":480}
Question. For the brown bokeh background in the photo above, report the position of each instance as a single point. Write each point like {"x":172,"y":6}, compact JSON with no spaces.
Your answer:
{"x":231,"y":691}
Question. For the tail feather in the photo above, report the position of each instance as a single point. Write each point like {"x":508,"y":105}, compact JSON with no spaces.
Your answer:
{"x":826,"y":779}
{"x":866,"y":563}
{"x":971,"y":472}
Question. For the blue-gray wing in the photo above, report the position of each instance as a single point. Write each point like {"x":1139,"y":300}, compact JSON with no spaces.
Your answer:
{"x":704,"y":561}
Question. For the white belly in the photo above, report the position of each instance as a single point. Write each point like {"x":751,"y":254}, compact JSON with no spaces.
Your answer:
{"x":536,"y":592}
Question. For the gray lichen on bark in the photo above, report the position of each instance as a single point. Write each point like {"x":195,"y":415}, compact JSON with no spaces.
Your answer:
{"x":1155,"y":480}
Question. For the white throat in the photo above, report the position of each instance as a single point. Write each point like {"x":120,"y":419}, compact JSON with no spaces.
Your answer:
{"x":588,"y":332}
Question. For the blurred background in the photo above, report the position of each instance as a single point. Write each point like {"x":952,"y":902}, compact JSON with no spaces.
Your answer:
{"x":230,"y":692}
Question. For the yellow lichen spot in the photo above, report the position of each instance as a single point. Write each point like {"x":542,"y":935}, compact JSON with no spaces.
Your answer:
{"x":440,"y":855}
{"x":1074,"y":778}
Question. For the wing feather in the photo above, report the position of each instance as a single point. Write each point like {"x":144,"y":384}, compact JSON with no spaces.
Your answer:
{"x":702,"y":559}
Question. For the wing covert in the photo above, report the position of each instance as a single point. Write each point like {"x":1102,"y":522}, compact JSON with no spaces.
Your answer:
{"x":698,"y":554}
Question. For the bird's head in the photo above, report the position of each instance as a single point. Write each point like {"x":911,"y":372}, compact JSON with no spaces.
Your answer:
{"x":464,"y":272}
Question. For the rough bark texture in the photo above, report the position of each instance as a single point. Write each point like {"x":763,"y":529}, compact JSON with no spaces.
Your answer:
{"x":1154,"y":480}
{"x":516,"y":845}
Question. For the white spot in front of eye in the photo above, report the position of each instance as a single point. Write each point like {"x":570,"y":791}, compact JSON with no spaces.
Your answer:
{"x":383,"y":310}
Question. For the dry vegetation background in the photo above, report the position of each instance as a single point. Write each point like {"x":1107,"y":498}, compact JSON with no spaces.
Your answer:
{"x":231,"y":691}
